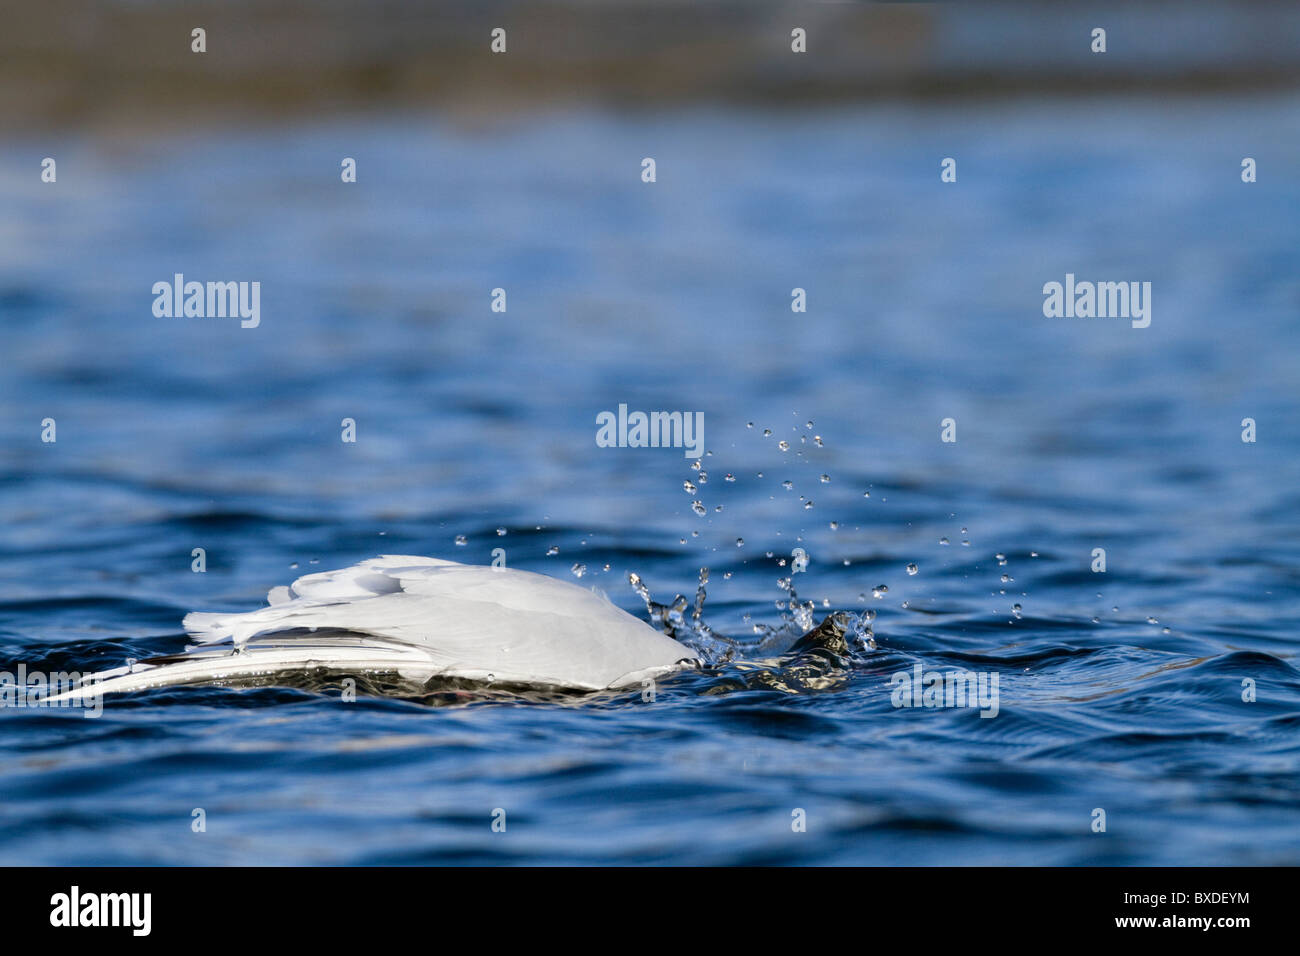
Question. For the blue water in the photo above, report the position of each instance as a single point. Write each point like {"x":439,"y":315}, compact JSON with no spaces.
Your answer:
{"x":1119,"y":690}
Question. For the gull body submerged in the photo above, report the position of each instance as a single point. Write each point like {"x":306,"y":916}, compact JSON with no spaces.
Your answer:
{"x":421,"y":618}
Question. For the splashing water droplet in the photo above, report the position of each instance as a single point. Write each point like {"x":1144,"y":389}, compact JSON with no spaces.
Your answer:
{"x":461,"y":541}
{"x":578,"y":570}
{"x":698,"y":507}
{"x":912,"y":569}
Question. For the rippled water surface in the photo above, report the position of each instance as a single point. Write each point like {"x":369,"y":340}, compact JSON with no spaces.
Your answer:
{"x":1121,"y":691}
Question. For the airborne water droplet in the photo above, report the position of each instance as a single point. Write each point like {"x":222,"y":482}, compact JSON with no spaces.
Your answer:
{"x":912,"y":569}
{"x":461,"y":541}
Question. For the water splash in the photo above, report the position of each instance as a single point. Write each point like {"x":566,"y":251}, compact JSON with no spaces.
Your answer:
{"x":796,"y":619}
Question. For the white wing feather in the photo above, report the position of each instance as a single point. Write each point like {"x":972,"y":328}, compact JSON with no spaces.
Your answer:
{"x":425,"y":617}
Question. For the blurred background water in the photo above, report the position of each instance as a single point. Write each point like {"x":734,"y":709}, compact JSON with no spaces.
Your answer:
{"x":1120,"y":690}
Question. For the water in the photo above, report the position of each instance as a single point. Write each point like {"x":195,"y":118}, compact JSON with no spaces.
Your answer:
{"x":1120,"y":691}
